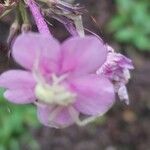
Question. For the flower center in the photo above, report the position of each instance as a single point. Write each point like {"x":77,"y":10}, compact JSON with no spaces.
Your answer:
{"x":54,"y":93}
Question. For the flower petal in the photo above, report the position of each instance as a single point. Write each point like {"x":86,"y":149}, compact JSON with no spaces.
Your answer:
{"x":57,"y":117}
{"x":32,"y":46}
{"x":16,"y":79}
{"x":95,"y":94}
{"x":83,"y":55}
{"x":20,"y":96}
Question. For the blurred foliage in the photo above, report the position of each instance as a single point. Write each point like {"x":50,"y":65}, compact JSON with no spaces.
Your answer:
{"x":131,"y":23}
{"x":15,"y":121}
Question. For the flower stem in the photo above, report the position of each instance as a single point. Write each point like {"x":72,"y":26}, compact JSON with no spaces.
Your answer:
{"x":23,"y":11}
{"x":38,"y":17}
{"x":15,"y":27}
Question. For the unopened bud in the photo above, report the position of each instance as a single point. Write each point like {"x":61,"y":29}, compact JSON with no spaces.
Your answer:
{"x":25,"y":27}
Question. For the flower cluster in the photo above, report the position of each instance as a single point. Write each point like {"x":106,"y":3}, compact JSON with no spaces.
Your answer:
{"x":70,"y":82}
{"x":116,"y":68}
{"x":59,"y":78}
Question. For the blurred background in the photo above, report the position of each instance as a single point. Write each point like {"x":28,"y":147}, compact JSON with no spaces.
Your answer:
{"x":125,"y":25}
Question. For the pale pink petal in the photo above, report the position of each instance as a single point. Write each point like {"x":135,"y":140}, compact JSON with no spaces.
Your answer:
{"x":17,"y":79}
{"x":95,"y":94}
{"x":20,"y":96}
{"x":62,"y":117}
{"x":32,"y":46}
{"x":83,"y":55}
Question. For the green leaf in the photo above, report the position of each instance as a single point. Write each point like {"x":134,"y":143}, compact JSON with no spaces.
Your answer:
{"x":14,"y":144}
{"x":142,"y":43}
{"x":126,"y":35}
{"x":1,"y":94}
{"x":116,"y":23}
{"x":131,"y":23}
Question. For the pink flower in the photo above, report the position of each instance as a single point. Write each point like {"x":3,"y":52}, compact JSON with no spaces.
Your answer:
{"x":59,"y":78}
{"x":116,"y":68}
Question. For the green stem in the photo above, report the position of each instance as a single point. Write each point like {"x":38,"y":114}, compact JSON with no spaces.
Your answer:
{"x":17,"y":15}
{"x":24,"y":13}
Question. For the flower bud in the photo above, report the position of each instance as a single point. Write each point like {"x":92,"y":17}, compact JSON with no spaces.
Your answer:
{"x":117,"y":69}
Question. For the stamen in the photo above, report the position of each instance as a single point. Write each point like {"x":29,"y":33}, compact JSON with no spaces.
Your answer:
{"x":54,"y":93}
{"x":57,"y":80}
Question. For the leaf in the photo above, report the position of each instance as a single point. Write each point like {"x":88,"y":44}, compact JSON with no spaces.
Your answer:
{"x":131,"y":24}
{"x":126,"y":34}
{"x":142,"y":43}
{"x":1,"y":94}
{"x":116,"y":23}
